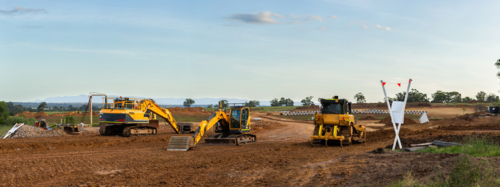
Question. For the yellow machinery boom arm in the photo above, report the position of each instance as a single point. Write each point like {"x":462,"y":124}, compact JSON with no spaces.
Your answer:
{"x":150,"y":105}
{"x":206,"y":125}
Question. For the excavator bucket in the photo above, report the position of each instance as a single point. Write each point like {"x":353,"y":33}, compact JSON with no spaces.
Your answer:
{"x":180,"y":143}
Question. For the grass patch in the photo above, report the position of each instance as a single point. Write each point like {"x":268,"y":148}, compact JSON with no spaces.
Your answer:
{"x":4,"y":129}
{"x":474,"y":146}
{"x":466,"y":172}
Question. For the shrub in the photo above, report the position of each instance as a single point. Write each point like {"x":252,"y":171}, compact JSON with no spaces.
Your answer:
{"x":14,"y":120}
{"x":69,"y":120}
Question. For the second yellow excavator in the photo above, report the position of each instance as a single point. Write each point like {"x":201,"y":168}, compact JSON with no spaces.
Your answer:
{"x":230,"y":129}
{"x":133,"y":117}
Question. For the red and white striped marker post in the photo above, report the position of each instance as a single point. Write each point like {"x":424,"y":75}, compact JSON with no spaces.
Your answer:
{"x":400,"y":110}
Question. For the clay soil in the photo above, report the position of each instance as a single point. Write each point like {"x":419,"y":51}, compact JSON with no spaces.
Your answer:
{"x":281,"y":157}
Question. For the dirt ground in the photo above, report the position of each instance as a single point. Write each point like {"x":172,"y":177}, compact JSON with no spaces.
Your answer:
{"x":282,"y":156}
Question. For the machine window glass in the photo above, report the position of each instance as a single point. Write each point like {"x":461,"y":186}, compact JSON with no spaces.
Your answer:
{"x":244,"y":117}
{"x":333,"y":109}
{"x":235,"y":119}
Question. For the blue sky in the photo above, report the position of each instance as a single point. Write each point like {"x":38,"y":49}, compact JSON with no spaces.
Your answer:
{"x":246,"y":49}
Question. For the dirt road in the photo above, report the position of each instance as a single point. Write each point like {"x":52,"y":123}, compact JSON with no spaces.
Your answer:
{"x":282,"y":157}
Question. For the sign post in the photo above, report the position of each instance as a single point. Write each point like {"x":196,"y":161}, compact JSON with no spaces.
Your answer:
{"x":397,"y":112}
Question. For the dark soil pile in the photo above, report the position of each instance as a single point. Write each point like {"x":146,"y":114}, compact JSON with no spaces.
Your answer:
{"x":188,"y":111}
{"x":388,"y":121}
{"x":28,"y":114}
{"x":368,"y":118}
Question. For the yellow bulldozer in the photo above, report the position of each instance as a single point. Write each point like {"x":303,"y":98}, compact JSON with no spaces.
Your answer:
{"x":230,"y":129}
{"x":134,"y":117}
{"x":335,"y":125}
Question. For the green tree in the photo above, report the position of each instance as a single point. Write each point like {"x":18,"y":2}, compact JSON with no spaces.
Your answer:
{"x":188,"y":102}
{"x":497,"y":64}
{"x":360,"y":98}
{"x":69,"y":120}
{"x":438,"y":97}
{"x":275,"y":102}
{"x":453,"y":97}
{"x":252,"y":103}
{"x":319,"y":99}
{"x":42,"y":106}
{"x":307,"y":101}
{"x":288,"y":102}
{"x":282,"y":101}
{"x":492,"y":98}
{"x":4,"y":112}
{"x":481,"y":96}
{"x":467,"y":99}
{"x":413,"y":96}
{"x":210,"y":106}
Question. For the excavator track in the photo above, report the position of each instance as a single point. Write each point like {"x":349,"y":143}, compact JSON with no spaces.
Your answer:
{"x":139,"y":131}
{"x":233,"y":139}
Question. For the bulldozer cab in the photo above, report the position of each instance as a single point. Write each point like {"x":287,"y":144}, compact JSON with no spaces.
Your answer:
{"x":335,"y":106}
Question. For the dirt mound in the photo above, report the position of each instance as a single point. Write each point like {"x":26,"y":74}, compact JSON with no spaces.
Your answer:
{"x":478,"y":127}
{"x":388,"y":121}
{"x":188,"y":111}
{"x":27,"y":131}
{"x":368,"y":118}
{"x":28,"y":114}
{"x":269,"y":114}
{"x":264,"y":125}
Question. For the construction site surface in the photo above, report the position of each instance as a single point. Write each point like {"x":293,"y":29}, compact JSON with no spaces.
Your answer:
{"x":282,"y":156}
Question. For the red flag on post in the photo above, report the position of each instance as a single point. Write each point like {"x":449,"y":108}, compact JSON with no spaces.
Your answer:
{"x":399,"y":84}
{"x":383,"y":83}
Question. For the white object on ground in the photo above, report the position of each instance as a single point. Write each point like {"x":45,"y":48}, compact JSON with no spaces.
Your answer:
{"x":257,"y":119}
{"x":423,"y":118}
{"x":14,"y":129}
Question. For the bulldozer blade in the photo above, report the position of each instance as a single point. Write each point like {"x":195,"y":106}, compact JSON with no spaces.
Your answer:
{"x":220,"y":141}
{"x":180,"y":143}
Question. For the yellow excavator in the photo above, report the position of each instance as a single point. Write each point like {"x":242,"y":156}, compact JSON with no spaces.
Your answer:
{"x":336,"y":125}
{"x":134,"y":117}
{"x":230,"y":129}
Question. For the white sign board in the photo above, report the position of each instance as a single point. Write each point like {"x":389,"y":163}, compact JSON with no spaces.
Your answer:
{"x":397,"y":109}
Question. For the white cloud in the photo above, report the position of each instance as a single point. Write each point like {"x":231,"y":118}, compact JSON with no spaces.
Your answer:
{"x":295,"y":22}
{"x":259,"y":18}
{"x":365,"y":27}
{"x":314,"y":17}
{"x":291,"y":16}
{"x":323,"y":28}
{"x":332,"y":17}
{"x":21,"y":10}
{"x":383,"y":28}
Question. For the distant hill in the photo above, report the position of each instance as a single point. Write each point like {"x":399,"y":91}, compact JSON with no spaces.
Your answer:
{"x":162,"y":101}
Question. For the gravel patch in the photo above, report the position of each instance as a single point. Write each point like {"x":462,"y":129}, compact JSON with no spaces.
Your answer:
{"x":27,"y":131}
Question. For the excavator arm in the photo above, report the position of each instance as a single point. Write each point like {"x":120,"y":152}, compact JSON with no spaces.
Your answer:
{"x":183,"y":143}
{"x":206,"y":125}
{"x":150,"y":105}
